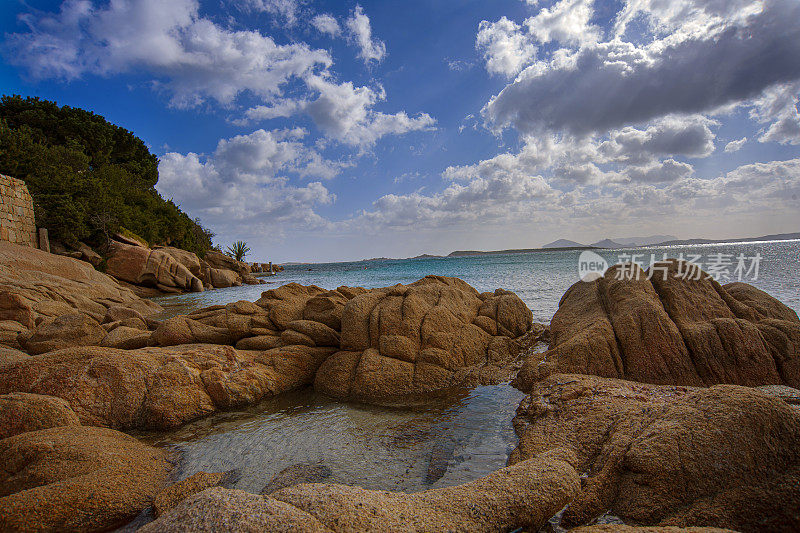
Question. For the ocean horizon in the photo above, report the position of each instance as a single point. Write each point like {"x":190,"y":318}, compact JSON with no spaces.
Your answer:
{"x":539,"y":278}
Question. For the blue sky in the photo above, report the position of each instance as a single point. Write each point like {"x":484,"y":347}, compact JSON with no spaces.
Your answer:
{"x":343,"y":130}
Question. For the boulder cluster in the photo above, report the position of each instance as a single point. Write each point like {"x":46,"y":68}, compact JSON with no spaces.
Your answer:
{"x":661,"y":403}
{"x":166,"y":269}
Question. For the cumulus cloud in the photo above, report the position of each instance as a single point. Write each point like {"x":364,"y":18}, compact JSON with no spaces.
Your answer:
{"x":246,"y":180}
{"x":194,"y":59}
{"x":345,"y":112}
{"x":567,"y":22}
{"x":326,"y":24}
{"x":190,"y":57}
{"x":506,"y":49}
{"x":735,"y":146}
{"x":609,"y":84}
{"x":360,"y":29}
{"x":483,"y":201}
{"x":779,"y":106}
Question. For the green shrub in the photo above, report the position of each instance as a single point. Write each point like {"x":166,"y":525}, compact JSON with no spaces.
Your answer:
{"x":89,"y":177}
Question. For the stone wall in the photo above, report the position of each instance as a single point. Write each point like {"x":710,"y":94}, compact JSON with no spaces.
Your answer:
{"x":17,"y":223}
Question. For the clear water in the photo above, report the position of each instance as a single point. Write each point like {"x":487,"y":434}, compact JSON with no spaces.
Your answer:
{"x":409,"y":450}
{"x":372,"y":447}
{"x":539,"y":278}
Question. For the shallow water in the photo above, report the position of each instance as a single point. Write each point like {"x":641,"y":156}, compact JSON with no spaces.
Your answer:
{"x":540,"y":278}
{"x":445,"y":444}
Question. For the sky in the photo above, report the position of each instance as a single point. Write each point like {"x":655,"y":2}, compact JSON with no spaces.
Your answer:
{"x":328,"y":131}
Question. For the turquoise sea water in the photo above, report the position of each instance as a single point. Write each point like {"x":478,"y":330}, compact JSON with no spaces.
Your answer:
{"x":453,"y":441}
{"x":539,"y":278}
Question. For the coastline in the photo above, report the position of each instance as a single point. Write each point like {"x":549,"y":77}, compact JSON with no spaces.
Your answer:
{"x":83,"y":376}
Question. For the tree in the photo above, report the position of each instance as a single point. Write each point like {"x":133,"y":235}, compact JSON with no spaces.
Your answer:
{"x":89,"y":178}
{"x":238,"y":250}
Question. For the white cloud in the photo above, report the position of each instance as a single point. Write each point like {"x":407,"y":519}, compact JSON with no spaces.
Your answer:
{"x":326,"y":24}
{"x":610,"y":84}
{"x":735,"y":146}
{"x":688,"y":136}
{"x":190,"y":57}
{"x":345,"y":113}
{"x":360,"y":30}
{"x":506,"y":49}
{"x":567,"y":22}
{"x":245,"y":181}
{"x":481,"y":201}
{"x":194,"y":60}
{"x":286,"y":9}
{"x":779,"y":105}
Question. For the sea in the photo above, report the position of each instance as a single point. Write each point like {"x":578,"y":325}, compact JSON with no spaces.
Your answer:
{"x":452,"y":441}
{"x":539,"y":278}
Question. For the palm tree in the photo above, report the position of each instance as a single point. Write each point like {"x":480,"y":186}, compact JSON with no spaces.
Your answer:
{"x":238,"y":250}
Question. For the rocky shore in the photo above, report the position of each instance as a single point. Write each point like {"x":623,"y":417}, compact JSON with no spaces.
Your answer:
{"x":666,"y":405}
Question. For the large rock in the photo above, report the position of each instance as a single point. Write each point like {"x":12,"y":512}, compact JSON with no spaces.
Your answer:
{"x":160,"y":387}
{"x":726,"y":456}
{"x":21,"y":412}
{"x":404,"y":344}
{"x":36,"y":286}
{"x":76,"y":478}
{"x":673,"y":329}
{"x":524,"y":495}
{"x":222,"y":278}
{"x":289,"y":315}
{"x":217,"y":259}
{"x":184,"y":257}
{"x":64,"y":332}
{"x":150,"y":268}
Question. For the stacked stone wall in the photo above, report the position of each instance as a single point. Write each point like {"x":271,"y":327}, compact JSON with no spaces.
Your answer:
{"x":17,"y":221}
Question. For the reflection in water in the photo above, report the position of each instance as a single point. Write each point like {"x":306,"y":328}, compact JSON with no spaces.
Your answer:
{"x":373,"y":447}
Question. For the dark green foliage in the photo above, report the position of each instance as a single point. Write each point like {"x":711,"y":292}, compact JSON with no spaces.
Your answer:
{"x":89,"y":178}
{"x":238,"y":250}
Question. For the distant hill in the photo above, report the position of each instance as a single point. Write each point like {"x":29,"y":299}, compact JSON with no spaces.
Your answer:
{"x":607,"y":243}
{"x":564,"y":243}
{"x":645,"y":241}
{"x":775,"y":237}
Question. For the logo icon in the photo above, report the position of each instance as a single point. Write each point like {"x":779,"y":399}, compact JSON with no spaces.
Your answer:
{"x":591,"y":266}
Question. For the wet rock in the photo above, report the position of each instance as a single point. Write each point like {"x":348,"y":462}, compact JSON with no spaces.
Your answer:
{"x":64,"y":332}
{"x":76,"y":478}
{"x":405,"y":344}
{"x":726,"y":456}
{"x":673,"y":329}
{"x":20,"y":412}
{"x":160,"y":387}
{"x":296,"y":474}
{"x":524,"y":495}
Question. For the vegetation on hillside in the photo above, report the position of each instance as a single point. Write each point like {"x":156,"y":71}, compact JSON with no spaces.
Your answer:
{"x":89,"y":178}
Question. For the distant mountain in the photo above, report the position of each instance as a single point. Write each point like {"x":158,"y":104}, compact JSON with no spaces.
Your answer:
{"x":427,"y":256}
{"x":645,"y":241}
{"x":564,"y":243}
{"x":775,"y":237}
{"x":607,"y":243}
